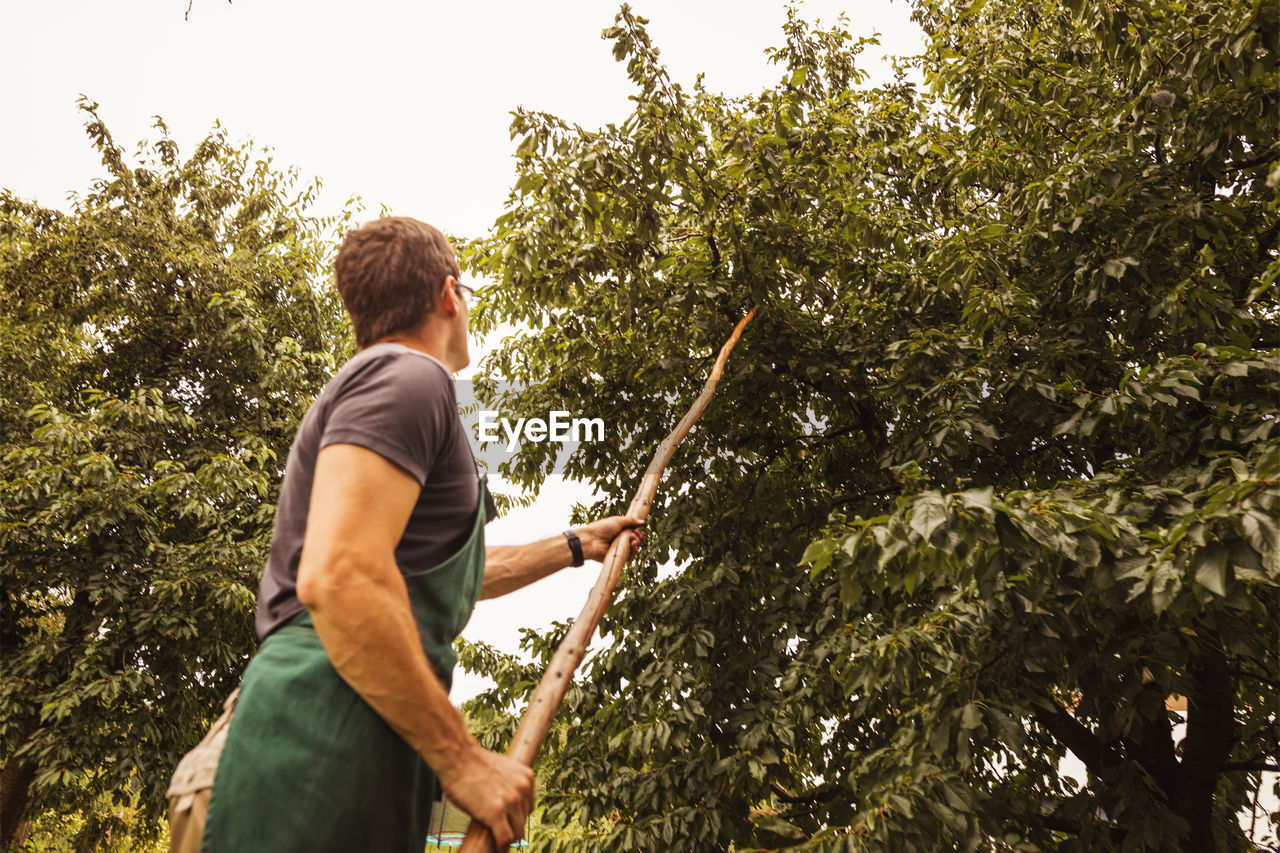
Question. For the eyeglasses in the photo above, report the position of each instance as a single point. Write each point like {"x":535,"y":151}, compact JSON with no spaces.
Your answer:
{"x":466,"y":294}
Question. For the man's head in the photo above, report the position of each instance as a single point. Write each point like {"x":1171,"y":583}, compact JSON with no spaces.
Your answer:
{"x":391,"y":273}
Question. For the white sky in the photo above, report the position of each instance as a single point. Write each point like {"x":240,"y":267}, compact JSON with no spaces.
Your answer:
{"x":404,"y":104}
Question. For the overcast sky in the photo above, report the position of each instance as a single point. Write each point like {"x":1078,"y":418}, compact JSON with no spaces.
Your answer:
{"x":405,"y":104}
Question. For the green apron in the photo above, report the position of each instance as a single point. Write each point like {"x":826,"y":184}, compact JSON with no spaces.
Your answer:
{"x":308,"y":764}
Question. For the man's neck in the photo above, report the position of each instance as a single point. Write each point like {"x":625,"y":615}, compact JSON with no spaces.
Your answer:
{"x":423,"y":341}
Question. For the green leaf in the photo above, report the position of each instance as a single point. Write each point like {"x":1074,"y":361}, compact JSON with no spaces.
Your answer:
{"x":818,"y":555}
{"x":978,"y":498}
{"x":1261,"y":532}
{"x":903,"y":805}
{"x":1211,"y":569}
{"x":970,"y":717}
{"x":780,"y":827}
{"x":928,"y":513}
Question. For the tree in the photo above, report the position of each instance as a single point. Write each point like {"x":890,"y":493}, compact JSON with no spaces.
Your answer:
{"x":160,"y":342}
{"x":992,"y":478}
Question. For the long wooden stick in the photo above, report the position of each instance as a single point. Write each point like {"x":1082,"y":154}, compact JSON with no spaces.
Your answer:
{"x":555,"y":681}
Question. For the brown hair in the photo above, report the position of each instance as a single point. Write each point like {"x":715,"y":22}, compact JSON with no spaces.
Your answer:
{"x":389,"y":272}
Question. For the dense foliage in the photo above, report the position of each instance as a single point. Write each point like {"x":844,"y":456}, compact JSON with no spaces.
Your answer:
{"x":993,"y":476}
{"x":159,"y":343}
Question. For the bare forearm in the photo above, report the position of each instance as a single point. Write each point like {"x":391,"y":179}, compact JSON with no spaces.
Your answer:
{"x":367,"y":630}
{"x":510,"y":567}
{"x":507,"y":568}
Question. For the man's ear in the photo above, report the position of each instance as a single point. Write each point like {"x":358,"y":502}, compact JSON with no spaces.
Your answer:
{"x":449,"y":295}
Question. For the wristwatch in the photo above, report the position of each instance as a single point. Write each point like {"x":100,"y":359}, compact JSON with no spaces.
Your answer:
{"x":575,"y":545}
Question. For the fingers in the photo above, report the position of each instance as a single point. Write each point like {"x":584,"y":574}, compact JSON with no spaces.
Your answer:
{"x":507,"y":820}
{"x":530,"y":794}
{"x":519,"y":812}
{"x":502,"y":834}
{"x":516,"y":806}
{"x":637,"y":539}
{"x":495,"y":790}
{"x":634,"y":524}
{"x":599,"y":535}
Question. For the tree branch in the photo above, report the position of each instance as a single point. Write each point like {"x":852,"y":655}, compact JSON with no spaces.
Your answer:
{"x":865,"y":412}
{"x":1260,"y":160}
{"x":818,"y":436}
{"x":186,"y":16}
{"x":1095,"y":753}
{"x":1267,"y":241}
{"x":1056,"y":824}
{"x":842,"y":500}
{"x":1254,"y":766}
{"x":819,"y":793}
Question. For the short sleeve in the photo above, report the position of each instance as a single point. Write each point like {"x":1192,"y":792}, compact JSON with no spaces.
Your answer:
{"x":399,"y":405}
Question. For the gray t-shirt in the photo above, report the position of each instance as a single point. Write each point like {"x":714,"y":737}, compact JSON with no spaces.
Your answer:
{"x":399,"y":403}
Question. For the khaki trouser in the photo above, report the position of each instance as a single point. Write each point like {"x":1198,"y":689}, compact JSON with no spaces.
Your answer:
{"x":186,"y":821}
{"x":193,"y":783}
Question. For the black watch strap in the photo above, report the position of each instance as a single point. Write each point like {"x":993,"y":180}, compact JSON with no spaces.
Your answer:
{"x":575,"y":545}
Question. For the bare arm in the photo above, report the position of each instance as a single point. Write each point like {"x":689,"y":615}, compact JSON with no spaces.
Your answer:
{"x":510,"y":567}
{"x":349,"y":581}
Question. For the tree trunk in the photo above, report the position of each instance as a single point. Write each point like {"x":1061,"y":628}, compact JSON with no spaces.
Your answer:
{"x":15,"y":783}
{"x":1210,"y":716}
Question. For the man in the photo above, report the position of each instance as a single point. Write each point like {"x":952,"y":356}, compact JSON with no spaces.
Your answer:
{"x":343,"y":724}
